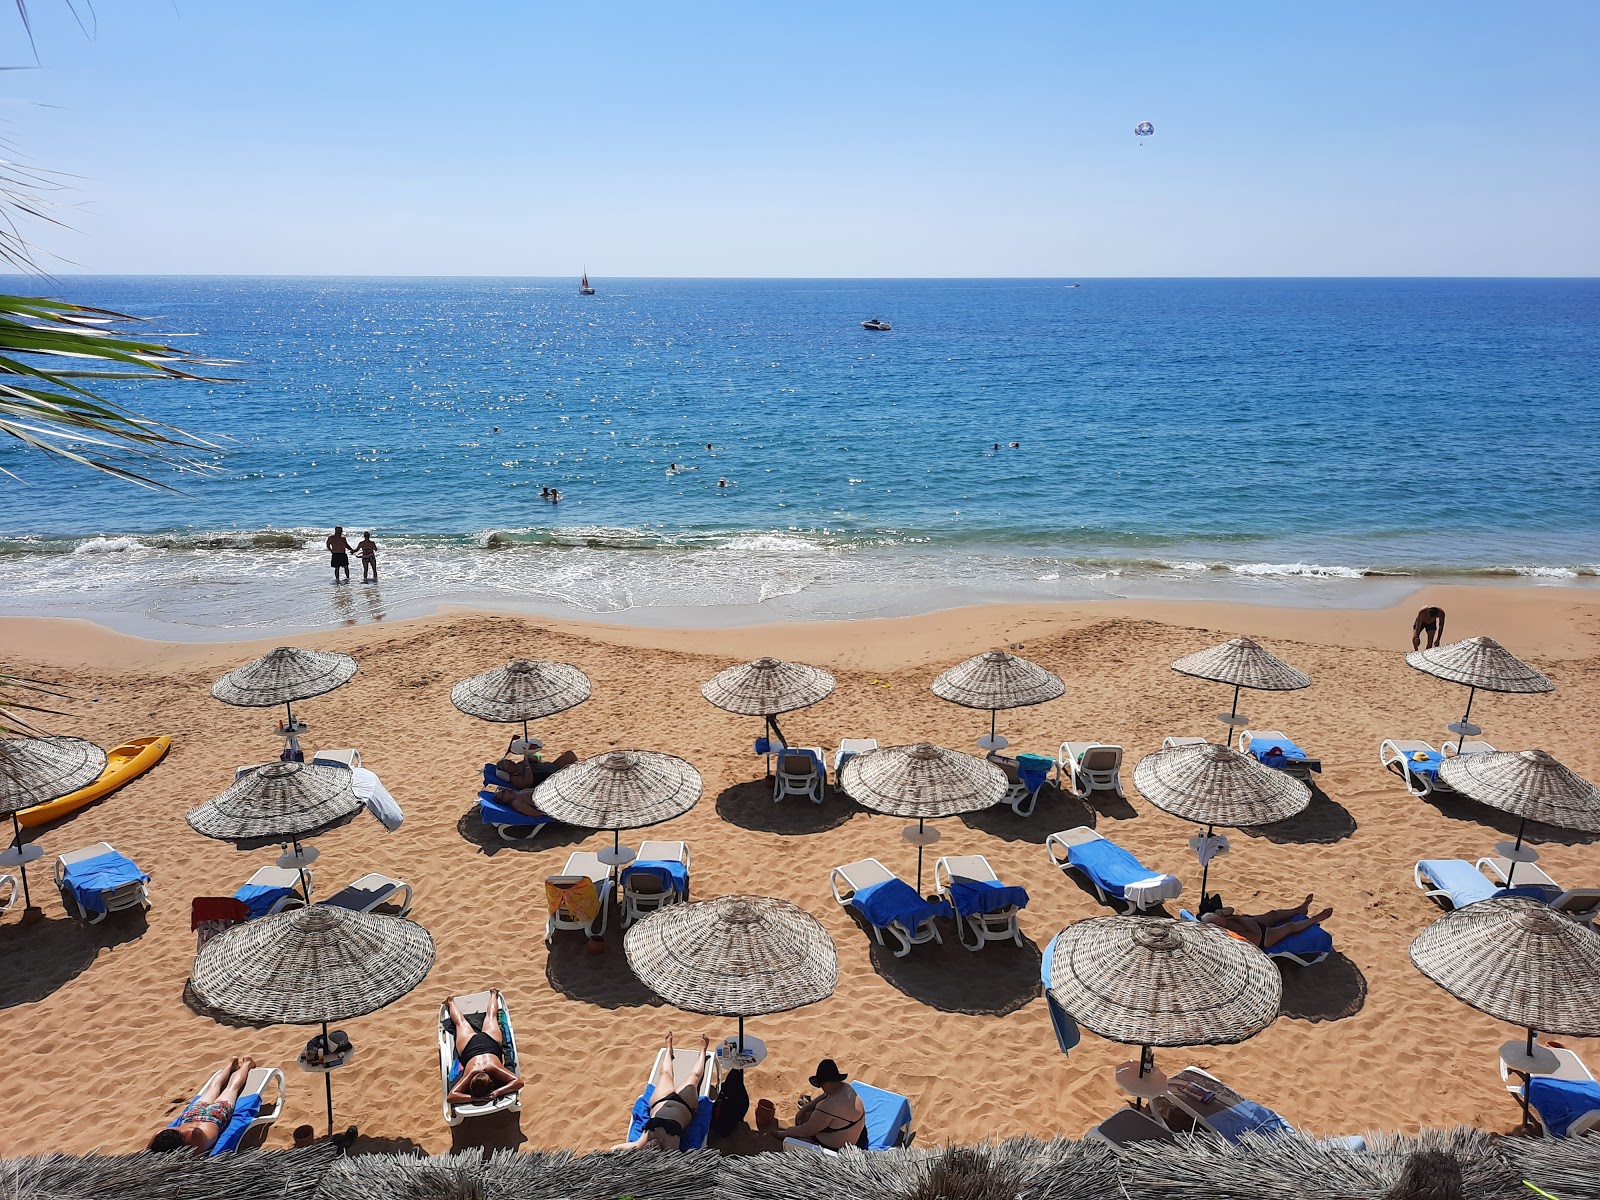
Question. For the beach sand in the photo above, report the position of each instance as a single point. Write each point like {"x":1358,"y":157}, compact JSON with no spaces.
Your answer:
{"x":101,"y":1048}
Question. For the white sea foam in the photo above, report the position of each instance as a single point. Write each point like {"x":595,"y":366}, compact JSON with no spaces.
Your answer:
{"x":110,"y":545}
{"x":1296,"y":570}
{"x":1546,"y":572}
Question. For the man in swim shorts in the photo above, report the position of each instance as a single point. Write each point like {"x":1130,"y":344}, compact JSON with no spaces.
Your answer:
{"x":208,"y":1113}
{"x":671,"y":1110}
{"x":481,"y":1053}
{"x":1429,"y":621}
{"x":339,"y":553}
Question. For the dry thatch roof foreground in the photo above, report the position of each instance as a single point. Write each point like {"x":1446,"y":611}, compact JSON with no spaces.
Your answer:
{"x":1459,"y":1164}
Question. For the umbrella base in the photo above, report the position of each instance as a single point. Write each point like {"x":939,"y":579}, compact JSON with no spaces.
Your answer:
{"x":32,"y":915}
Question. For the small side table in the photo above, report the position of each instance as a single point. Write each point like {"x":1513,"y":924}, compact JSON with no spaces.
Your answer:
{"x":730,"y":1059}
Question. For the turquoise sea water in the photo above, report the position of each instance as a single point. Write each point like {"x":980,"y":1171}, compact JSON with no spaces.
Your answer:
{"x":1299,"y":439}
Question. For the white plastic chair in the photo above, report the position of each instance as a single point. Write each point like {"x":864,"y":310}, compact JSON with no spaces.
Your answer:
{"x":371,"y":892}
{"x":859,"y":875}
{"x":475,"y":1005}
{"x":986,"y":927}
{"x":124,"y":896}
{"x":798,"y":774}
{"x":348,"y":759}
{"x":1022,"y":799}
{"x":643,"y":893}
{"x":1089,"y":767}
{"x":1394,"y":754}
{"x":9,"y":882}
{"x":582,"y":864}
{"x":848,"y":749}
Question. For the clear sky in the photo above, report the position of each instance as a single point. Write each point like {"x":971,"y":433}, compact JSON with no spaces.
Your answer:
{"x":514,"y":137}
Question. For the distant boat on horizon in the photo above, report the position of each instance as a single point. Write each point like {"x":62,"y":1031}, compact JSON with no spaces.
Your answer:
{"x":875,"y":323}
{"x":1074,"y":285}
{"x":583,"y":288}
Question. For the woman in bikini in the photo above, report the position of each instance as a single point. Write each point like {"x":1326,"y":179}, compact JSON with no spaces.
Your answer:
{"x":1268,"y":929}
{"x":208,"y":1113}
{"x":670,"y":1111}
{"x":835,"y":1119}
{"x":481,"y":1053}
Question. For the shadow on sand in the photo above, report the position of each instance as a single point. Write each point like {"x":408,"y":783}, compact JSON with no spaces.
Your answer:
{"x":48,"y":955}
{"x":1056,"y":811}
{"x":1330,"y":991}
{"x":474,"y":831}
{"x":500,"y":1131}
{"x":994,"y":981}
{"x":604,"y":979}
{"x":751,"y":806}
{"x":1322,"y":822}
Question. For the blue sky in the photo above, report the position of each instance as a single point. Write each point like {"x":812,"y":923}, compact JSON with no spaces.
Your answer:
{"x":823,"y":139}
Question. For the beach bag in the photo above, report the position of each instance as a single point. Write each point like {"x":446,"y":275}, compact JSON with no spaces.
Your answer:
{"x":733,"y":1102}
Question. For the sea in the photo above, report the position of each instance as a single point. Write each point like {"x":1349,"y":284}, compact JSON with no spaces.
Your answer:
{"x":736,"y":451}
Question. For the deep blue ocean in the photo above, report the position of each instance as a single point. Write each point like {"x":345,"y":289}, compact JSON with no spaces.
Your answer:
{"x":1174,"y":436}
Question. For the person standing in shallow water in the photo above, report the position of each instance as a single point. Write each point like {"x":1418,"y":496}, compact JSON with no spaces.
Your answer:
{"x":368,"y":550}
{"x":339,"y":553}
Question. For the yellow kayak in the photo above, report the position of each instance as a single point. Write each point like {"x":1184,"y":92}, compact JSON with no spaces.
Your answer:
{"x":124,"y":764}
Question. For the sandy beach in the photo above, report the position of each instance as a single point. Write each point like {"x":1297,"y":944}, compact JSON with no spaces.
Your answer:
{"x":1365,"y":1041}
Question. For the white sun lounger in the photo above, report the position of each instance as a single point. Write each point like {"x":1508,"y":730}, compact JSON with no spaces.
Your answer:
{"x":1172,"y":743}
{"x":475,"y":1005}
{"x":1300,"y":768}
{"x":683,"y":1064}
{"x":848,"y":749}
{"x":1089,"y":766}
{"x":986,"y":927}
{"x":1127,"y":1126}
{"x":858,"y":876}
{"x":799,"y":774}
{"x":134,"y":894}
{"x":1118,"y":878}
{"x":1465,"y":747}
{"x":371,"y":892}
{"x":348,"y":759}
{"x":1022,"y":799}
{"x":582,"y":864}
{"x":1569,"y":1069}
{"x":1394,"y":754}
{"x":282,"y":877}
{"x":255,"y":1084}
{"x":8,"y":883}
{"x":643,"y":893}
{"x":1581,"y":904}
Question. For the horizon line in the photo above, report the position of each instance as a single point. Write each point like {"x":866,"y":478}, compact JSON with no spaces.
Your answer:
{"x":47,"y":276}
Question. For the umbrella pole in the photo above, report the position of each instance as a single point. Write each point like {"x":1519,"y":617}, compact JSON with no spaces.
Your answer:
{"x":1466,"y":718}
{"x":305,"y":888}
{"x":16,"y":842}
{"x":289,"y":708}
{"x":327,"y":1079}
{"x":524,"y":729}
{"x":1205,"y":874}
{"x":1147,"y":1063}
{"x":991,"y":726}
{"x":1511,"y":868}
{"x":1527,"y":1083}
{"x":741,"y":1037}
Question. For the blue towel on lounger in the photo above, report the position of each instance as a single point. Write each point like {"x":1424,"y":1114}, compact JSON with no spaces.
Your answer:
{"x":694,"y":1137}
{"x":1112,"y":867}
{"x":89,"y":878}
{"x":894,"y":900}
{"x":1068,"y":1034}
{"x":674,"y":876}
{"x":244,"y":1112}
{"x":1248,"y":1117}
{"x":973,"y":896}
{"x":1428,"y":769}
{"x":1033,"y":770}
{"x":494,"y":813}
{"x":1308,"y":943}
{"x":1560,"y":1102}
{"x":887,"y":1114}
{"x":1260,"y":748}
{"x":1466,"y":885}
{"x":259,"y":899}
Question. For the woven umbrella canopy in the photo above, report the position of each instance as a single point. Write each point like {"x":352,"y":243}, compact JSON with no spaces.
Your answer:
{"x":767,"y":688}
{"x":1479,"y":662}
{"x":734,"y":956}
{"x":33,"y":771}
{"x":996,"y":680}
{"x":522,"y":690}
{"x":1213,"y":785}
{"x":620,"y":789}
{"x":1155,"y":981}
{"x":1520,"y":961}
{"x":1529,"y":784}
{"x":287,"y":674}
{"x":310,"y":966}
{"x":922,"y":781}
{"x":1244,"y":663}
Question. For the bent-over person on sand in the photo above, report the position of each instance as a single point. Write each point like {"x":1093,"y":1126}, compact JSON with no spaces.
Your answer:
{"x":481,"y":1053}
{"x":671,"y":1110}
{"x":339,"y":553}
{"x":835,"y":1119}
{"x":209,"y":1113}
{"x":1269,"y":928}
{"x":1429,"y":621}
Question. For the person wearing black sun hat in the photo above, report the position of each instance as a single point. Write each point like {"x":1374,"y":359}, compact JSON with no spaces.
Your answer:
{"x":835,"y":1119}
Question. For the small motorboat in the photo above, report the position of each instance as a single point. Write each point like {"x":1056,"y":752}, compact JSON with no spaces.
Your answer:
{"x":875,"y":323}
{"x":1074,"y":285}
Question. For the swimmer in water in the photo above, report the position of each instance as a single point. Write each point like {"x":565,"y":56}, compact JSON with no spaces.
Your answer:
{"x":708,"y":445}
{"x":722,"y":483}
{"x":544,"y":493}
{"x":1016,"y":445}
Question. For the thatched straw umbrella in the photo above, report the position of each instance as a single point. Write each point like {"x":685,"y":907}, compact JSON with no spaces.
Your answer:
{"x":922,"y":781}
{"x":522,"y":690}
{"x":279,"y":1174}
{"x":734,"y":956}
{"x":474,"y":1175}
{"x":1479,"y":662}
{"x":1519,"y":961}
{"x":1532,"y":786}
{"x":620,"y":789}
{"x":996,"y":680}
{"x":1155,"y":981}
{"x":1243,"y":663}
{"x":33,"y":771}
{"x":1564,"y":1167}
{"x":310,"y":966}
{"x":1455,"y":1164}
{"x":1215,"y":785}
{"x":287,"y":674}
{"x":283,"y":802}
{"x":768,"y":688}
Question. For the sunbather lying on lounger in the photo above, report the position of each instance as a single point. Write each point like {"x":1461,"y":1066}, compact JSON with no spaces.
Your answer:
{"x":670,"y":1111}
{"x":1269,"y":928}
{"x":484,"y":1075}
{"x":528,"y":771}
{"x":208,"y":1113}
{"x":835,"y":1119}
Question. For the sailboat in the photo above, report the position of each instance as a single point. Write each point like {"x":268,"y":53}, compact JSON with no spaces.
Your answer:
{"x":583,"y":288}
